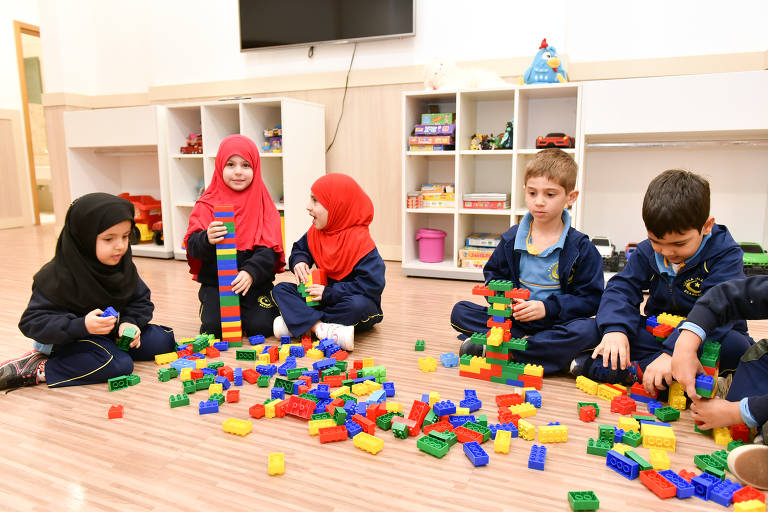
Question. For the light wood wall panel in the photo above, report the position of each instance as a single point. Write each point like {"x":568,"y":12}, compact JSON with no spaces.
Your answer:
{"x":15,"y":193}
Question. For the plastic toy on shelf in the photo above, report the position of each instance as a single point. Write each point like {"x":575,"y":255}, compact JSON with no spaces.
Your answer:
{"x":755,"y":258}
{"x":274,"y":142}
{"x":555,"y":140}
{"x":194,"y":145}
{"x":545,"y":68}
{"x":147,"y":212}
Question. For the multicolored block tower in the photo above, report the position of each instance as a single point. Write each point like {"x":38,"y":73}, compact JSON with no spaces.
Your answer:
{"x":316,"y":277}
{"x":498,"y":365}
{"x":226,"y":261}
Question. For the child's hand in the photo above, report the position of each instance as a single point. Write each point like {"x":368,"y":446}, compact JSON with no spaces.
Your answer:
{"x":96,"y":324}
{"x":316,"y":292}
{"x":242,"y":283}
{"x":685,"y":361}
{"x":136,"y":343}
{"x":528,"y":310}
{"x":615,"y":348}
{"x":656,"y":373}
{"x":216,"y":232}
{"x":301,"y":271}
{"x":715,"y":412}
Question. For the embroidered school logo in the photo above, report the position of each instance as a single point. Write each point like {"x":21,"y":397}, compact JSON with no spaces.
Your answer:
{"x":265,"y":302}
{"x":552,"y":272}
{"x":692,"y":286}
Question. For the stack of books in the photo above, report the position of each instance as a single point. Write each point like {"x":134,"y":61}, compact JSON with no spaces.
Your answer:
{"x":435,"y":133}
{"x":438,"y":195}
{"x":478,"y":249}
{"x":491,"y":201}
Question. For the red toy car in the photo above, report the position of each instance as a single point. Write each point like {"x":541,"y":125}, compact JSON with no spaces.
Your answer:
{"x":147,"y":211}
{"x":555,"y":140}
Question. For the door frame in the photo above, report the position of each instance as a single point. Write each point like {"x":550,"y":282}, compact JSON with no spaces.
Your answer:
{"x":31,"y":30}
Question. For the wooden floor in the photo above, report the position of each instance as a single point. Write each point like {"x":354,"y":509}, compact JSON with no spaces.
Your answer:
{"x":60,"y":452}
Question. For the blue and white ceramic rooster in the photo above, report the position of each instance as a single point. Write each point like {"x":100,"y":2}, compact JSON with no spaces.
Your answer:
{"x":545,"y":67}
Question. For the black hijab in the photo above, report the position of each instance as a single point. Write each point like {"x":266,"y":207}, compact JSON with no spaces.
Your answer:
{"x":75,"y":279}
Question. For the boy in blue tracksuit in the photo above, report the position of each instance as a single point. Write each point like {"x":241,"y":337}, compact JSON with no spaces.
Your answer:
{"x":685,"y":255}
{"x":558,"y":265}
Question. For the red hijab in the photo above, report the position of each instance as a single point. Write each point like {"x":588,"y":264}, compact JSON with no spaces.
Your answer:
{"x":257,"y":221}
{"x":345,"y":239}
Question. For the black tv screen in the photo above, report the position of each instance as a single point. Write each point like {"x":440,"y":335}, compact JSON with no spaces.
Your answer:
{"x":271,"y":23}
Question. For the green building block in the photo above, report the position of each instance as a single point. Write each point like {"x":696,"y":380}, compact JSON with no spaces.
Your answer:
{"x":400,"y":430}
{"x":465,"y":359}
{"x":499,"y":300}
{"x":721,"y":456}
{"x":478,"y":339}
{"x":485,"y":431}
{"x":287,"y":385}
{"x":606,"y":432}
{"x":499,"y":285}
{"x":263,"y":381}
{"x":583,"y":500}
{"x":667,"y":414}
{"x":218,"y":397}
{"x":448,"y":437}
{"x":506,"y":313}
{"x":431,"y":445}
{"x":295,"y":373}
{"x":116,"y":383}
{"x":322,"y":416}
{"x":644,"y":464}
{"x":579,"y":405}
{"x":599,"y":447}
{"x":203,"y":383}
{"x":246,"y":355}
{"x":384,"y":421}
{"x":189,"y":386}
{"x":500,"y":380}
{"x":339,"y":415}
{"x":710,"y":464}
{"x":697,"y":429}
{"x":518,"y":344}
{"x":133,"y":379}
{"x":178,"y":400}
{"x":235,"y":344}
{"x":632,"y":438}
{"x":706,"y":393}
{"x":229,"y":301}
{"x":482,"y":420}
{"x":430,"y":418}
{"x":641,"y":417}
{"x":165,"y":374}
{"x":129,"y":333}
{"x":420,"y":345}
{"x":309,"y":397}
{"x":735,"y":444}
{"x":216,"y":365}
{"x":341,"y":365}
{"x":347,"y":397}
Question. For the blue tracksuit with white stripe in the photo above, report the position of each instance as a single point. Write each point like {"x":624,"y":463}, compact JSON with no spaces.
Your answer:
{"x":576,"y":270}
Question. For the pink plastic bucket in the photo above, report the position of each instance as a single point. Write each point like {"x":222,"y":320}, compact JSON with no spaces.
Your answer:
{"x":431,"y":245}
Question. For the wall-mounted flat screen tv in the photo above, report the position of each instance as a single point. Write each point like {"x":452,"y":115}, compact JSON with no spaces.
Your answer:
{"x":276,"y":23}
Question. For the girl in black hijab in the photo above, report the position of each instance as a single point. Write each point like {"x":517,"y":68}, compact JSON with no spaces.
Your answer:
{"x":91,"y":270}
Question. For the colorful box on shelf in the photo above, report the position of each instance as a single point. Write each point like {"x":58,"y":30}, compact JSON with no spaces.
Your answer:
{"x":432,"y":147}
{"x":414,"y":200}
{"x":438,"y":118}
{"x":428,"y":140}
{"x":483,"y":239}
{"x":434,"y":129}
{"x":486,"y":201}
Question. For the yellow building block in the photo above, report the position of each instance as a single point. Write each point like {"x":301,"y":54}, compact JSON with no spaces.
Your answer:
{"x":235,"y":323}
{"x":668,"y":319}
{"x":269,"y":408}
{"x":166,"y":358}
{"x":534,"y":369}
{"x":283,"y":352}
{"x":678,"y":402}
{"x":659,"y":459}
{"x":373,"y":385}
{"x":360,"y":389}
{"x":495,"y":336}
{"x":626,"y":423}
{"x":462,"y":410}
{"x":367,"y":362}
{"x":553,"y":434}
{"x":314,"y":353}
{"x":502,"y":441}
{"x":749,"y":506}
{"x":657,"y":436}
{"x":676,"y":389}
{"x":215,"y":388}
{"x":587,"y":385}
{"x":264,"y":358}
{"x":315,"y":425}
{"x":606,"y":392}
{"x":427,"y":364}
{"x":525,"y":430}
{"x":394,"y":406}
{"x":343,"y":390}
{"x":524,"y":410}
{"x":499,"y":306}
{"x":200,"y":364}
{"x":186,"y":374}
{"x":182,"y":341}
{"x":368,"y":443}
{"x":722,"y":436}
{"x":621,"y":448}
{"x":276,"y":463}
{"x":434,"y":396}
{"x":237,"y":426}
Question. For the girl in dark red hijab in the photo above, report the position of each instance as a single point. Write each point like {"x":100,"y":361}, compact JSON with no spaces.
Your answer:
{"x":338,"y":242}
{"x":237,"y":181}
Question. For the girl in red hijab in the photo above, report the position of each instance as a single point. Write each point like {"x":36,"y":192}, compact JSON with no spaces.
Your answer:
{"x":337,"y":242}
{"x":237,"y":181}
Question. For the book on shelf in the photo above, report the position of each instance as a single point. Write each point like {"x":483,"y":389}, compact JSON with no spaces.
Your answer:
{"x":437,"y":204}
{"x":438,"y":118}
{"x":438,"y":188}
{"x":476,"y":253}
{"x":434,"y":129}
{"x":472,"y":263}
{"x":431,"y":147}
{"x":486,"y":205}
{"x":483,"y":239}
{"x":430,"y":140}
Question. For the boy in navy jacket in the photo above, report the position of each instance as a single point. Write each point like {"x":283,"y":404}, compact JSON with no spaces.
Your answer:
{"x":685,"y":255}
{"x":558,"y":264}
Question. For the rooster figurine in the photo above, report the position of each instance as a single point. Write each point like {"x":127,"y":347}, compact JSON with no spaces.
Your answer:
{"x":545,"y":67}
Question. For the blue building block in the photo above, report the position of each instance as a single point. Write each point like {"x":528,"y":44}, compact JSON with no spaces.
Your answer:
{"x":312,"y":374}
{"x":351,"y":407}
{"x":324,"y":363}
{"x":444,"y":408}
{"x":363,"y":379}
{"x":533,"y":397}
{"x":659,"y":423}
{"x":722,"y":492}
{"x":389,"y":389}
{"x":618,"y":435}
{"x":653,"y":405}
{"x":704,"y":381}
{"x":297,"y":351}
{"x":377,"y":397}
{"x":256,"y":340}
{"x":425,"y":398}
{"x":449,"y":359}
{"x":284,"y":340}
{"x":361,"y":409}
{"x":684,"y":487}
{"x":331,"y":349}
{"x":265,"y":349}
{"x":296,"y":386}
{"x":353,"y":429}
{"x":503,"y":426}
{"x":624,"y":466}
{"x":475,"y":453}
{"x":208,"y":407}
{"x":538,"y":457}
{"x":237,"y":376}
{"x":651,"y":322}
{"x":267,"y":369}
{"x":199,"y":355}
{"x":458,"y":420}
{"x":182,"y":363}
{"x":703,"y":485}
{"x":209,"y":371}
{"x":289,"y":364}
{"x":641,"y":398}
{"x":110,"y":311}
{"x":278,"y":393}
{"x":221,"y":346}
{"x":473,"y":404}
{"x":470,"y":393}
{"x":322,"y":405}
{"x":225,"y":384}
{"x":323,"y":391}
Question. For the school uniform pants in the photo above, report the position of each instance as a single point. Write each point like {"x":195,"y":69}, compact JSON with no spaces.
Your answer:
{"x":356,"y":310}
{"x":96,"y":359}
{"x":751,"y":375}
{"x":257,"y":312}
{"x":553,"y":348}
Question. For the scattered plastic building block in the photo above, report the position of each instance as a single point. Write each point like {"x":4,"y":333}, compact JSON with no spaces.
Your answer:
{"x":587,"y":413}
{"x":432,"y":445}
{"x":583,"y":500}
{"x":208,"y":407}
{"x":502,"y":441}
{"x":368,"y":442}
{"x":748,"y":493}
{"x":276,"y":463}
{"x":449,"y":359}
{"x":115,"y":411}
{"x":476,"y":454}
{"x":420,"y":345}
{"x":722,"y":492}
{"x":622,"y":404}
{"x":703,"y":485}
{"x":667,"y":414}
{"x":237,"y":426}
{"x":526,"y":430}
{"x":427,"y":364}
{"x":178,"y":400}
{"x":538,"y":457}
{"x":599,"y":447}
{"x":683,"y":486}
{"x":659,"y":459}
{"x":256,"y":340}
{"x":553,"y":434}
{"x":749,"y":506}
{"x":657,"y":484}
{"x":116,"y":383}
{"x":624,"y":466}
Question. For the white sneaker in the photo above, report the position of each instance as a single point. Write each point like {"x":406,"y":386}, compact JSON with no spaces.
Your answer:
{"x":279,"y":328}
{"x":342,"y":335}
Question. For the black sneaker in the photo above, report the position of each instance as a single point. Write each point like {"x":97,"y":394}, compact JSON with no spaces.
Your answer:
{"x":472,"y":349}
{"x":594,"y":369}
{"x":21,"y":371}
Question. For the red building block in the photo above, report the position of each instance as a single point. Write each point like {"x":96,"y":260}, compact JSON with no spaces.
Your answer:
{"x":375,"y":410}
{"x":662,"y":330}
{"x":352,"y":374}
{"x":483,"y":291}
{"x":464,"y":435}
{"x":333,"y":381}
{"x":306,"y":379}
{"x":687,"y":475}
{"x":251,"y":376}
{"x":115,"y":411}
{"x":212,"y":352}
{"x":518,"y":293}
{"x":300,"y":407}
{"x":740,"y":432}
{"x":440,"y":426}
{"x":340,"y":355}
{"x":507,"y":416}
{"x":622,"y":404}
{"x":747,"y":493}
{"x":184,"y":353}
{"x":331,"y":407}
{"x":419,"y":411}
{"x":587,"y":413}
{"x":657,"y":484}
{"x":227,"y":372}
{"x":280,"y":409}
{"x":509,"y":399}
{"x":274,"y":356}
{"x":639,"y":389}
{"x":357,"y":364}
{"x":306,"y":342}
{"x":331,"y":434}
{"x":369,"y":427}
{"x":196,"y":374}
{"x":532,"y":381}
{"x":233,"y":395}
{"x":256,"y":411}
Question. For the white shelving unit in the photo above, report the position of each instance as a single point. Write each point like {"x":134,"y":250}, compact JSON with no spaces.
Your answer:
{"x":116,"y":150}
{"x":535,"y":109}
{"x":287,"y":175}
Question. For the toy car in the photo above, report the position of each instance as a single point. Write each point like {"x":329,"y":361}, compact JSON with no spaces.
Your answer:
{"x":147,"y":211}
{"x":755,"y":258}
{"x":608,"y":252}
{"x":555,"y":140}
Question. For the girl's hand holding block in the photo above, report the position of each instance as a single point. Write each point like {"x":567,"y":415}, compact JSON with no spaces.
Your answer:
{"x":96,"y":324}
{"x":301,"y":270}
{"x":136,"y":343}
{"x":216,"y":232}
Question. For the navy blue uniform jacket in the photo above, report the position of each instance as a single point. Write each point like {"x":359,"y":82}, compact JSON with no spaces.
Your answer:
{"x":47,"y":323}
{"x":366,"y":278}
{"x":719,"y":260}
{"x":580,"y":270}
